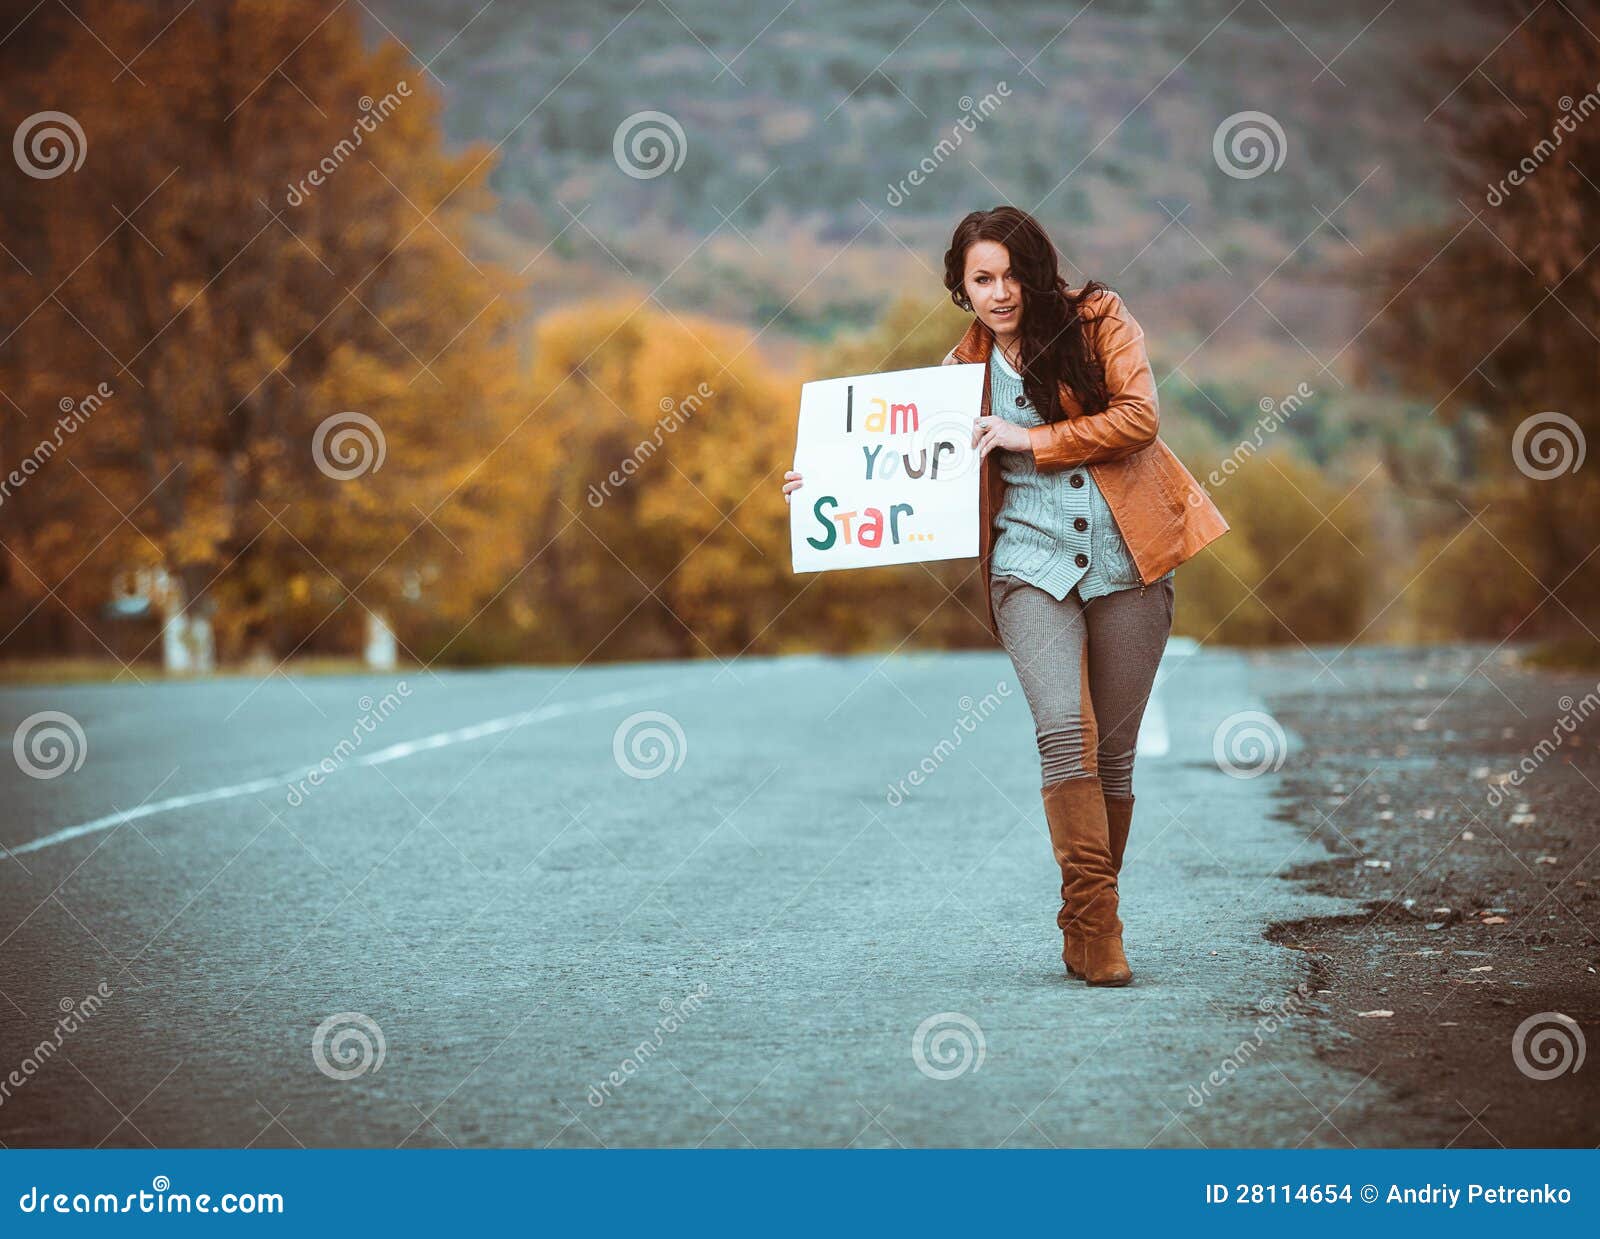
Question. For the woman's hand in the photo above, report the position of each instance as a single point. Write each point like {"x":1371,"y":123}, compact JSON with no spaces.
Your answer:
{"x":990,"y":432}
{"x":791,"y":482}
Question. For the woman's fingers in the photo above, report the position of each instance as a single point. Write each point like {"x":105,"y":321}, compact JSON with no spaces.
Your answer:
{"x":791,"y":481}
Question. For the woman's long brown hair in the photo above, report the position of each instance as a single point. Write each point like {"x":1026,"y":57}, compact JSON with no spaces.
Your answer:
{"x":1055,"y":341}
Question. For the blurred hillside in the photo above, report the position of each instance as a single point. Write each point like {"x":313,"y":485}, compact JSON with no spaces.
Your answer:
{"x":798,"y":119}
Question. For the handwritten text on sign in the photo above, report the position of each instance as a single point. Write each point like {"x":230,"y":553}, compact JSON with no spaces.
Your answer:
{"x":891,"y":476}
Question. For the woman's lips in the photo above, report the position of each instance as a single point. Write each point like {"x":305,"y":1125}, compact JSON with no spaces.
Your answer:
{"x":1002,"y":313}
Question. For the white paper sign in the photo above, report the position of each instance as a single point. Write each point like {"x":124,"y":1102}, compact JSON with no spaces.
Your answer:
{"x":891,"y":476}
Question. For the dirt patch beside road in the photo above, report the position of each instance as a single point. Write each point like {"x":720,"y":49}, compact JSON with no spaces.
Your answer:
{"x":1480,"y":928}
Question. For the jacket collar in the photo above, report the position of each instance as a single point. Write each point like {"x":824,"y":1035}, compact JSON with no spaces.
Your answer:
{"x":974,"y":346}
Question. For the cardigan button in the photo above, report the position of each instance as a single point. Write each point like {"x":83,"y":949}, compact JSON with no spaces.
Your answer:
{"x":1077,"y":479}
{"x":1022,"y":402}
{"x":1081,"y":560}
{"x":1079,"y":523}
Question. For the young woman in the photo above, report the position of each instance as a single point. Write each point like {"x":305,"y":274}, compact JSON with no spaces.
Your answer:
{"x":1084,"y":514}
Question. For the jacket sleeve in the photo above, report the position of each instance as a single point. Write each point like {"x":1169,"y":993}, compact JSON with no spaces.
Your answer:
{"x":1128,"y":424}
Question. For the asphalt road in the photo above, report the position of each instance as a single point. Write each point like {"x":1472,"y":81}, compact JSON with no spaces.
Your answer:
{"x":525,"y":944}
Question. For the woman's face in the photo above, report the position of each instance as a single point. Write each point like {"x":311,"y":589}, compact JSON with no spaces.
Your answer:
{"x":996,"y":295}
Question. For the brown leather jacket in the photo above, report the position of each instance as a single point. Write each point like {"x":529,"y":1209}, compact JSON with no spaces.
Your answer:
{"x":1161,"y":511}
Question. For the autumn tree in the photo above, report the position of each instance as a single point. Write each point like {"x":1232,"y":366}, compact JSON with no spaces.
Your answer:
{"x":266,"y":258}
{"x":1490,"y":317}
{"x":657,"y":536}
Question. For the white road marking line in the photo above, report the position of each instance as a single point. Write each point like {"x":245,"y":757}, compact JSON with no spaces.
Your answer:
{"x":393,"y":752}
{"x":1155,"y":737}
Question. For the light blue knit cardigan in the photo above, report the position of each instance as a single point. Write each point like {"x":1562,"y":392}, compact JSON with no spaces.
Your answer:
{"x":1036,"y":538}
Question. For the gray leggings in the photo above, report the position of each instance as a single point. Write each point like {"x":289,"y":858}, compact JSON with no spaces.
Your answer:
{"x":1086,"y":669}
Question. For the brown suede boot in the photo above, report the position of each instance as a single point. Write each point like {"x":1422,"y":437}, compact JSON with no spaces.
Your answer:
{"x":1119,"y":814}
{"x":1090,"y":929}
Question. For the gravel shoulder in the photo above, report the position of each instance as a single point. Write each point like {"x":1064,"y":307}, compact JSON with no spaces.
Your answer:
{"x":1466,"y":985}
